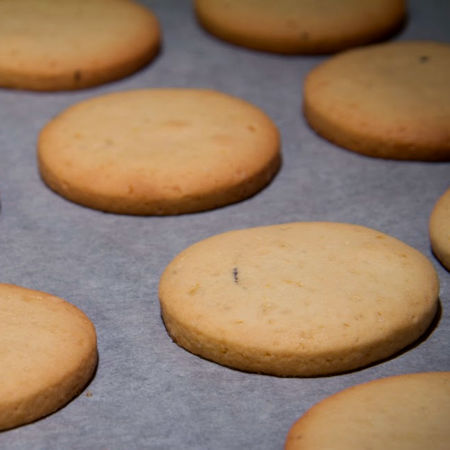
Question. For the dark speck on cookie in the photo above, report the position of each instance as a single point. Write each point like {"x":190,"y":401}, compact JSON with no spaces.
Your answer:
{"x":235,"y":275}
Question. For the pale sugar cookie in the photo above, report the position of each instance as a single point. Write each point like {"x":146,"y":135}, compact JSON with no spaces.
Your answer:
{"x":72,"y":44}
{"x":300,"y":26}
{"x":159,"y":151}
{"x":298,"y":299}
{"x":388,"y":100}
{"x":405,"y":412}
{"x":439,"y":228}
{"x":48,"y":353}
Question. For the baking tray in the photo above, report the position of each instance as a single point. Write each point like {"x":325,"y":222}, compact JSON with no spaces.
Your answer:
{"x":147,"y":391}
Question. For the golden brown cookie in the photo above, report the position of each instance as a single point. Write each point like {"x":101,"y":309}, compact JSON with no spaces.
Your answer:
{"x":387,"y":101}
{"x":159,"y":151}
{"x":300,"y":26}
{"x":439,"y":228}
{"x":48,"y":353}
{"x":70,"y":44}
{"x":405,"y":412}
{"x":298,"y":299}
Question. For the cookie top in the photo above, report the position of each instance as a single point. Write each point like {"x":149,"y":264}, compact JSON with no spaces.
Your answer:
{"x":405,"y":412}
{"x":439,"y":228}
{"x":300,"y":299}
{"x":159,"y":151}
{"x":388,"y":101}
{"x":48,"y":354}
{"x":71,"y":44}
{"x":300,"y":26}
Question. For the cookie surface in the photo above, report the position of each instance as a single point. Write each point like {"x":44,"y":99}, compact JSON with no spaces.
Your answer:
{"x":298,"y":299}
{"x":48,"y":354}
{"x":71,"y":44}
{"x":388,"y":101}
{"x":300,"y":26}
{"x":439,"y":228}
{"x":159,"y":151}
{"x":405,"y":412}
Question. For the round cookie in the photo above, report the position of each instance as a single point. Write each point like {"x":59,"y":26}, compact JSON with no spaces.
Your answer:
{"x":48,"y":353}
{"x":298,"y":299}
{"x":57,"y":45}
{"x":404,"y":412}
{"x":388,"y":101}
{"x":439,"y":228}
{"x":159,"y":151}
{"x":300,"y":26}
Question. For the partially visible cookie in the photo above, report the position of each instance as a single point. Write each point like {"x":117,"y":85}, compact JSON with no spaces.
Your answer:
{"x":300,"y":26}
{"x":48,"y":353}
{"x":70,"y":44}
{"x":388,"y":101}
{"x":298,"y":299}
{"x":439,"y":228}
{"x":159,"y":151}
{"x":404,"y":412}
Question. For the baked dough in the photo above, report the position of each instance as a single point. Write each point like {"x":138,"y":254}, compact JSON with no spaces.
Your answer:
{"x":298,"y":299}
{"x":159,"y":151}
{"x":48,"y":353}
{"x":51,"y":45}
{"x":440,"y":229}
{"x":405,"y":412}
{"x":387,"y":101}
{"x":301,"y":26}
